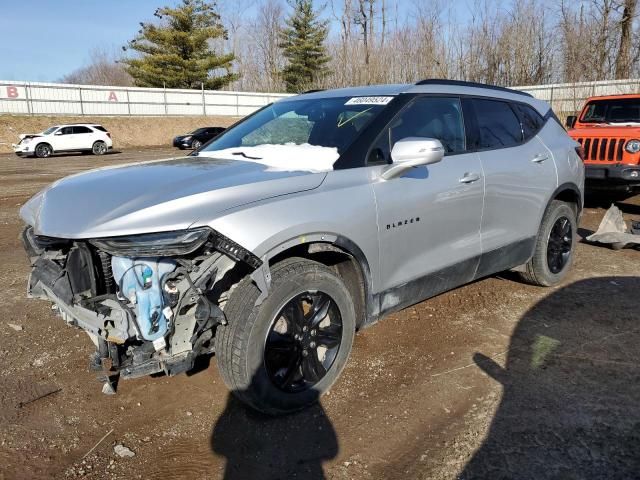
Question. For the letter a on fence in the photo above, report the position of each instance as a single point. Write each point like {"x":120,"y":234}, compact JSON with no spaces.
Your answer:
{"x":112,"y":97}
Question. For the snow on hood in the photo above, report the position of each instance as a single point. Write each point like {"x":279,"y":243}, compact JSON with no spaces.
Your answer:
{"x":288,"y":157}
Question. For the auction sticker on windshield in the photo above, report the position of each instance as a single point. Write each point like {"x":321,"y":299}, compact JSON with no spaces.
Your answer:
{"x":369,"y":101}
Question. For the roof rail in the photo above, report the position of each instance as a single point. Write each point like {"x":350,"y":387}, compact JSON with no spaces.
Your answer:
{"x":314,"y":90}
{"x":461,"y":83}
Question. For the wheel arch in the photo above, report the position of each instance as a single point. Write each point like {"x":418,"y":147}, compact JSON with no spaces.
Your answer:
{"x":337,"y":252}
{"x":569,"y":193}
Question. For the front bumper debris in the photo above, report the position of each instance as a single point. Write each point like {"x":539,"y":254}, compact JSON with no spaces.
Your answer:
{"x":85,"y":287}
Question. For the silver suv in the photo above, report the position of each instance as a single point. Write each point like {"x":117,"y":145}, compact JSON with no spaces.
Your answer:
{"x":306,"y":221}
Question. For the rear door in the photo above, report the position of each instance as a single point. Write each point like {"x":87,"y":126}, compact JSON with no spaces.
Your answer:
{"x":520,"y":175}
{"x":82,"y":137}
{"x":429,"y":218}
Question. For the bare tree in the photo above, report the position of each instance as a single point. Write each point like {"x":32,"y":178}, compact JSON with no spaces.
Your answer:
{"x":102,"y":69}
{"x":623,"y":59}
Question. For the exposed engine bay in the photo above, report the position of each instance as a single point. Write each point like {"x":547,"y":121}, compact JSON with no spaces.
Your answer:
{"x":150,"y":303}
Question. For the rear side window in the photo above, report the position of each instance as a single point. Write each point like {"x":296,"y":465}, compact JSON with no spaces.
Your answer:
{"x":100,"y":127}
{"x":498,"y":125}
{"x":530,"y":120}
{"x":81,"y":130}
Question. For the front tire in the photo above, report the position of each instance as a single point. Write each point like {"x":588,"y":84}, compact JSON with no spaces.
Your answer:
{"x":280,"y":356}
{"x":555,"y":246}
{"x":43,"y":150}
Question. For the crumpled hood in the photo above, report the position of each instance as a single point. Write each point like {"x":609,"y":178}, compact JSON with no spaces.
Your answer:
{"x":155,"y":196}
{"x":22,"y":136}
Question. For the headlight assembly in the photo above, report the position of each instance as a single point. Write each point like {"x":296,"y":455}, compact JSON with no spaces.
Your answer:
{"x":163,"y":244}
{"x":632,"y":146}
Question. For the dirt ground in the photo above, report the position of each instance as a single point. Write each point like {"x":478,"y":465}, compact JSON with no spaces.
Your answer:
{"x":127,"y":132}
{"x":494,"y":380}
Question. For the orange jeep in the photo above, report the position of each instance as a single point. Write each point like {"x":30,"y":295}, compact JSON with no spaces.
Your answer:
{"x":608,"y":129}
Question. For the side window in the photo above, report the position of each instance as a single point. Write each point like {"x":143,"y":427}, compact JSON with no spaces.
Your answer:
{"x":428,"y":117}
{"x":498,"y":125}
{"x":530,"y":120}
{"x":81,"y":130}
{"x":66,"y":130}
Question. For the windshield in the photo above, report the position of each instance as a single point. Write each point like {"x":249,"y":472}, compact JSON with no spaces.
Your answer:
{"x":49,"y":130}
{"x":623,"y":110}
{"x":322,"y":127}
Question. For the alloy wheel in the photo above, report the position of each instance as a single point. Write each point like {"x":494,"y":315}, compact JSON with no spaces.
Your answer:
{"x":43,"y":151}
{"x":559,"y":245}
{"x":303,"y":341}
{"x":99,"y":148}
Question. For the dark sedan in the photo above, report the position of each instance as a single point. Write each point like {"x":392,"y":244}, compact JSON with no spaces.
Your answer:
{"x":197,"y":138}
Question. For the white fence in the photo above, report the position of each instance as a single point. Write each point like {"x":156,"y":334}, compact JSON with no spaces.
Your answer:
{"x":35,"y":98}
{"x":570,"y":97}
{"x":31,"y":98}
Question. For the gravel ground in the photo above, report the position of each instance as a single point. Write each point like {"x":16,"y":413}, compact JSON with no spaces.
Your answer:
{"x":494,"y":380}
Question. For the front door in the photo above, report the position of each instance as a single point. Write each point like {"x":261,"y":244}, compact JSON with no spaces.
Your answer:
{"x":429,"y":218}
{"x":63,"y":139}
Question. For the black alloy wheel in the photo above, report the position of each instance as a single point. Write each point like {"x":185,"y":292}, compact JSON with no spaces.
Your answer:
{"x":559,"y":245}
{"x":303,"y":342}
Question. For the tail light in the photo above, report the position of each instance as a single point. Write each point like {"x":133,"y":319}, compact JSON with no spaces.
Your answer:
{"x":108,"y":135}
{"x":580,"y":152}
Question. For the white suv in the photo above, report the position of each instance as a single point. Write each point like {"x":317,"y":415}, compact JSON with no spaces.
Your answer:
{"x":80,"y":137}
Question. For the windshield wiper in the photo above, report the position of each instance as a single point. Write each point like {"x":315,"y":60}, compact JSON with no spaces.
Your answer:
{"x":246,"y":156}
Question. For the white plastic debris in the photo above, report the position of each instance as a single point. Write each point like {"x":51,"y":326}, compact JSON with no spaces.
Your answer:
{"x":613,"y":230}
{"x":288,"y":157}
{"x":17,"y":328}
{"x":123,"y":451}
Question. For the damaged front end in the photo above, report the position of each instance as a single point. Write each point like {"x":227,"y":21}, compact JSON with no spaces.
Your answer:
{"x":150,"y":303}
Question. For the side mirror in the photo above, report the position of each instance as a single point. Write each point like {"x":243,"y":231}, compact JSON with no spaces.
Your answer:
{"x":571,"y":121}
{"x":413,"y":152}
{"x":59,"y":132}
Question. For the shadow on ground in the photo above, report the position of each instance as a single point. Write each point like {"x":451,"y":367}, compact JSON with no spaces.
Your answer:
{"x":571,"y":402}
{"x":264,"y":447}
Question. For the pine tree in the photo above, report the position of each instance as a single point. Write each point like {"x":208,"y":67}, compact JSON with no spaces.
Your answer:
{"x":176,"y":52}
{"x":302,"y":42}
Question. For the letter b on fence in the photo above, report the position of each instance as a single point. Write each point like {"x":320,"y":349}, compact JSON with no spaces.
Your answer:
{"x":12,"y":92}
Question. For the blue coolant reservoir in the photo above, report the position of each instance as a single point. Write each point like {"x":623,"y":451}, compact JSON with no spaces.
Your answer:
{"x":139,"y":281}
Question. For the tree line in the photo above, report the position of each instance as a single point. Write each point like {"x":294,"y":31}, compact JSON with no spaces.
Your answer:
{"x":300,"y":45}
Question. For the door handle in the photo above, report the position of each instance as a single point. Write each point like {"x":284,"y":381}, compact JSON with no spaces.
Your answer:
{"x":540,"y":158}
{"x":470,"y":178}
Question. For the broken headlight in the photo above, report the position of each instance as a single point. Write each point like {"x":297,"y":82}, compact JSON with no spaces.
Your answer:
{"x":163,"y":244}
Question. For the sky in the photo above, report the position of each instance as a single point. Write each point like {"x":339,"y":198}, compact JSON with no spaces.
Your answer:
{"x":42,"y":40}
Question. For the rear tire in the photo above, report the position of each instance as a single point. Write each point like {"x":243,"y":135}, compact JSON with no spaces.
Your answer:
{"x":99,"y":148}
{"x":43,"y":150}
{"x":278,"y":357}
{"x":196,"y":144}
{"x":554,"y":248}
